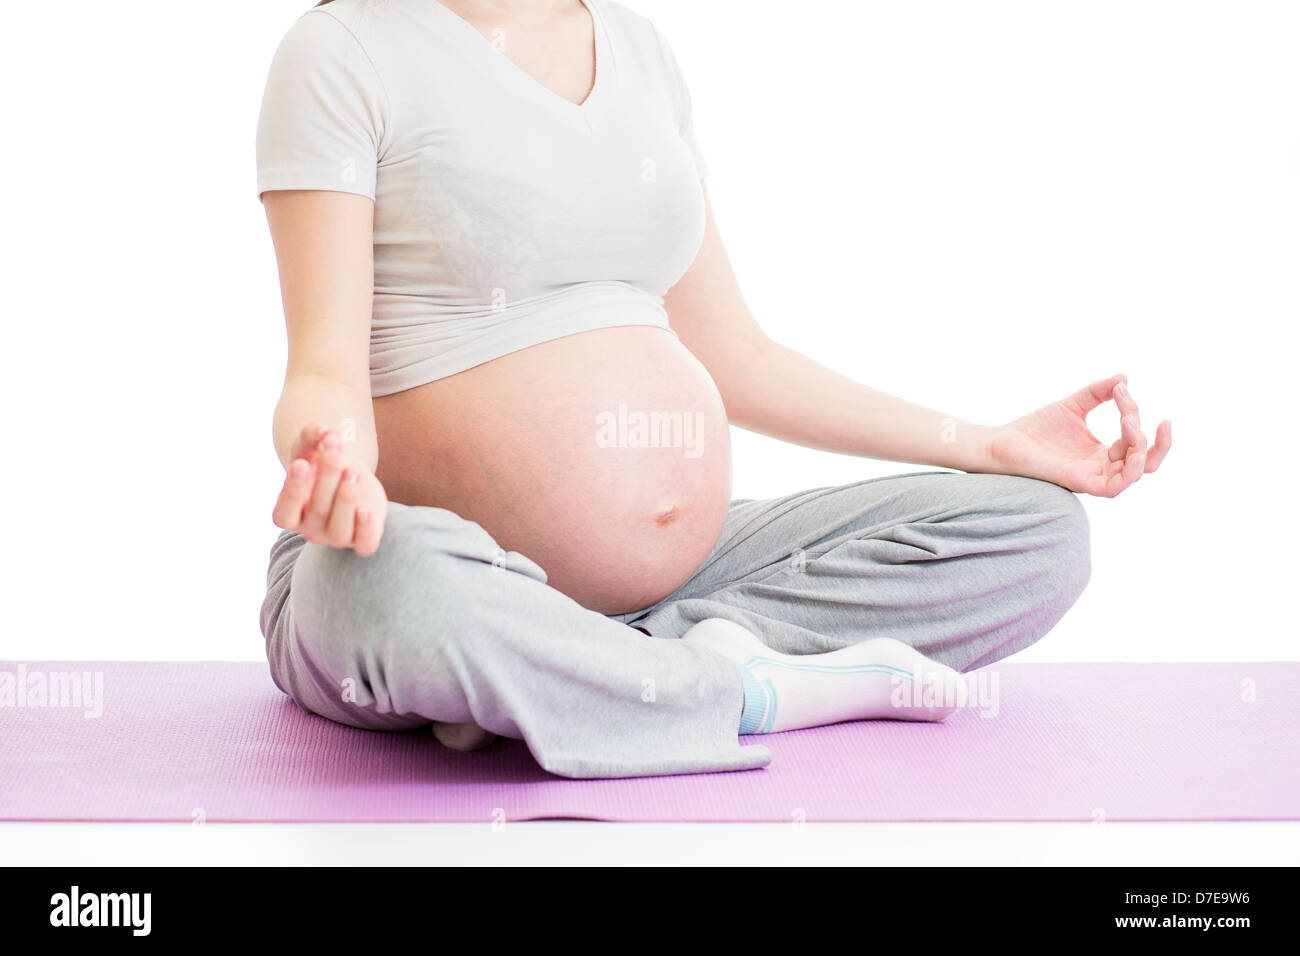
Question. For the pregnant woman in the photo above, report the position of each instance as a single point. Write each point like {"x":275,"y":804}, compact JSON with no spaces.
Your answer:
{"x":515,"y":345}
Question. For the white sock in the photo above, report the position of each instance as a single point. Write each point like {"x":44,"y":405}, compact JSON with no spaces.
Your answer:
{"x":879,"y":679}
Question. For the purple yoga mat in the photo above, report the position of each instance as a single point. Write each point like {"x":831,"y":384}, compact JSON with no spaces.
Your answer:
{"x":1067,"y":742}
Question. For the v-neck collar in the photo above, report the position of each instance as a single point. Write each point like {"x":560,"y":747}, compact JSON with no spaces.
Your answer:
{"x":590,"y":109}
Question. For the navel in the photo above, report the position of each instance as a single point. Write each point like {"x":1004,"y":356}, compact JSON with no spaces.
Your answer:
{"x":666,"y":514}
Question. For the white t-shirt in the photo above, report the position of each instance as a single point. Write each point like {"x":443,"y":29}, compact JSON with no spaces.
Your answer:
{"x":505,"y":215}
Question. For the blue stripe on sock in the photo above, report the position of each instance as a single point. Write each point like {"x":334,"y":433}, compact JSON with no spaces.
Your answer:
{"x":756,"y":702}
{"x":831,"y":668}
{"x":771,"y":707}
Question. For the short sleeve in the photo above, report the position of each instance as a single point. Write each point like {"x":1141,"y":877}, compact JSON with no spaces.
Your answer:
{"x":682,"y":96}
{"x":324,"y":111}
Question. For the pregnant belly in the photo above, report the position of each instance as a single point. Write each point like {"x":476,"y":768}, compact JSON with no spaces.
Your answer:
{"x":603,"y":456}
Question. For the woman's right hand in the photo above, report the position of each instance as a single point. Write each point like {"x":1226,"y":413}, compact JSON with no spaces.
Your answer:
{"x":330,"y":498}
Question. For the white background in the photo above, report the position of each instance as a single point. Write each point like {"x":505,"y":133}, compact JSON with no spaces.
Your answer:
{"x":981,"y":206}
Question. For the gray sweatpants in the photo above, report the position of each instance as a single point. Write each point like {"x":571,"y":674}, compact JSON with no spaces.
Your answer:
{"x":441,"y":624}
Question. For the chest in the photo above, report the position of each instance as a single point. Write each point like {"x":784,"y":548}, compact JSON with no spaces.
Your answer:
{"x":558,"y":54}
{"x":494,"y":180}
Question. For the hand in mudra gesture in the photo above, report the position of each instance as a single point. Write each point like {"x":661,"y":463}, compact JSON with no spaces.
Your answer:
{"x":328,"y":497}
{"x":1054,"y":443}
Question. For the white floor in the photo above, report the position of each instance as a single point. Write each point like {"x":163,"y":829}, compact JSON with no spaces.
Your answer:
{"x":641,"y":844}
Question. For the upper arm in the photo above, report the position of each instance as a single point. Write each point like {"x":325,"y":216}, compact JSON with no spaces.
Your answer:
{"x":324,"y":248}
{"x":708,"y":312}
{"x":325,"y":116}
{"x":321,"y":132}
{"x":705,"y":307}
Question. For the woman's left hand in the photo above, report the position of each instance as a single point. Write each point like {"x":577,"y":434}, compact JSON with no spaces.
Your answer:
{"x":1054,"y":443}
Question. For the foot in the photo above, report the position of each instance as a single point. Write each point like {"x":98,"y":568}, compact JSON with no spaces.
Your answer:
{"x":879,"y":679}
{"x":462,"y":736}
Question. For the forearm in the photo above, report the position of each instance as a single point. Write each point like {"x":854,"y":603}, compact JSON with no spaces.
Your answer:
{"x":332,"y":403}
{"x":784,"y":394}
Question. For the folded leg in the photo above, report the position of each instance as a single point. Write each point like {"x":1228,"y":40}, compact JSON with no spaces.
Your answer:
{"x":441,"y":624}
{"x":965,"y":568}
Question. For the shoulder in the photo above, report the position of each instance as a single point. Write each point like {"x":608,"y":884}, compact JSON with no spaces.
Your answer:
{"x":359,"y":22}
{"x":351,"y":36}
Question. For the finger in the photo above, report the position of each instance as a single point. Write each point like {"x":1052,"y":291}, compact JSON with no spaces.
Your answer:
{"x":1113,"y":481}
{"x":1136,"y":459}
{"x":1118,"y":474}
{"x":329,"y":439}
{"x":1090,"y":396}
{"x":342,"y":520}
{"x":329,"y":468}
{"x":1097,"y":484}
{"x":1088,"y":478}
{"x":293,"y":496}
{"x":370,"y":528}
{"x":1128,"y":411}
{"x":308,"y":438}
{"x":1118,"y":451}
{"x":1160,"y":448}
{"x":1124,"y":401}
